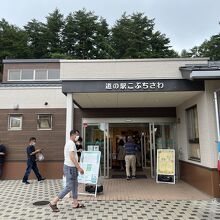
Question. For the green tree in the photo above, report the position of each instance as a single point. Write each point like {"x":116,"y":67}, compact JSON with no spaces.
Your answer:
{"x":133,"y":36}
{"x":184,"y":53}
{"x":53,"y":32}
{"x":13,"y":42}
{"x":36,"y":33}
{"x":211,"y":48}
{"x":193,"y":52}
{"x":86,"y":36}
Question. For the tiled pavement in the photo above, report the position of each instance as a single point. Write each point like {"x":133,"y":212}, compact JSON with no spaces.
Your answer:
{"x":16,"y":202}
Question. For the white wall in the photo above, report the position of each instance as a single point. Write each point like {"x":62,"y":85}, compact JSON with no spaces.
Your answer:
{"x":125,"y":69}
{"x":28,"y":98}
{"x":207,"y":126}
{"x":211,"y":86}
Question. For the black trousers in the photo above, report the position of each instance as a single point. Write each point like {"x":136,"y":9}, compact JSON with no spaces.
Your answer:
{"x":31,"y":165}
{"x":1,"y":168}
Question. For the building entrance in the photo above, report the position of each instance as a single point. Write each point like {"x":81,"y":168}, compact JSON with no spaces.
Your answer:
{"x":148,"y":136}
{"x":118,"y":134}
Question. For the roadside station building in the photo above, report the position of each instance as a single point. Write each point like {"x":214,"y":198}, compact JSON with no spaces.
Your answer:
{"x":162,"y":103}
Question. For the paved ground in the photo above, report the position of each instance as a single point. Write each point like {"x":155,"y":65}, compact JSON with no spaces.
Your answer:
{"x":17,"y":203}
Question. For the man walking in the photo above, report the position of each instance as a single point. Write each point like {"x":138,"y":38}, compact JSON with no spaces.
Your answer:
{"x":31,"y":161}
{"x":71,"y":169}
{"x":130,"y":157}
{"x":2,"y":157}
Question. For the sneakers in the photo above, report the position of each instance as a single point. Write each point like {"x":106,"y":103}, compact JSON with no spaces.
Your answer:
{"x":128,"y":178}
{"x":43,"y":178}
{"x":26,"y":182}
{"x":133,"y":177}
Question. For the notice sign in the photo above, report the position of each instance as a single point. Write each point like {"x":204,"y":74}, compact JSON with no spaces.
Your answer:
{"x":90,"y":162}
{"x":166,"y":166}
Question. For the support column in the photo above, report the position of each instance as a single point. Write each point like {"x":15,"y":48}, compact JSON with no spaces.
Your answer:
{"x":69,"y":114}
{"x":217,"y":115}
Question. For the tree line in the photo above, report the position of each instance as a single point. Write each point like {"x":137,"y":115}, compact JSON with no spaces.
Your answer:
{"x":84,"y":35}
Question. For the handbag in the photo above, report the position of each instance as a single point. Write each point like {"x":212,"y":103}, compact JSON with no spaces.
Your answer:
{"x":40,"y":157}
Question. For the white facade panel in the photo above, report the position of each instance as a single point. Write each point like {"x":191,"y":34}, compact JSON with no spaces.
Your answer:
{"x":211,"y":86}
{"x":28,"y":98}
{"x":124,"y":69}
{"x":207,"y":126}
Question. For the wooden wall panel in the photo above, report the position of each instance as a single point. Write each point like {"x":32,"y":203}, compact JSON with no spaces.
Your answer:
{"x":204,"y":179}
{"x":52,"y":141}
{"x":16,"y":170}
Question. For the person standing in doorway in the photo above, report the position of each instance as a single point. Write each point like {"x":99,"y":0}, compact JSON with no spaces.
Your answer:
{"x":121,"y":153}
{"x":71,"y":169}
{"x":130,"y":158}
{"x":2,"y":157}
{"x":31,"y":161}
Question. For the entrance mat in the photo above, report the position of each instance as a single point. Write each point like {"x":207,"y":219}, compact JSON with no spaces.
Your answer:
{"x":119,"y":170}
{"x":124,"y":177}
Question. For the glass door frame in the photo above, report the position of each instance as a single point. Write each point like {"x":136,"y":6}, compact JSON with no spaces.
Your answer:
{"x":149,"y":122}
{"x":153,"y":153}
{"x":105,"y":173}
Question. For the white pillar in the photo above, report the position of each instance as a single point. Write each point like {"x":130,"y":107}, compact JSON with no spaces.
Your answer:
{"x":69,"y":114}
{"x":217,"y":115}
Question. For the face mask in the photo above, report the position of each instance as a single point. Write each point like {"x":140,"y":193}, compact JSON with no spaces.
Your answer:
{"x":77,"y":138}
{"x":33,"y":143}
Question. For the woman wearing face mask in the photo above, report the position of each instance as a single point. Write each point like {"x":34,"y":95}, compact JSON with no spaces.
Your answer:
{"x":79,"y":146}
{"x":31,"y":161}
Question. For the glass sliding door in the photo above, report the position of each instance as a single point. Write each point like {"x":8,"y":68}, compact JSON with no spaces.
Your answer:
{"x":162,"y":136}
{"x":96,"y":137}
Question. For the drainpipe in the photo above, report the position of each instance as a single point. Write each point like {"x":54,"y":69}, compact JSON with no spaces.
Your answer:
{"x":217,"y":114}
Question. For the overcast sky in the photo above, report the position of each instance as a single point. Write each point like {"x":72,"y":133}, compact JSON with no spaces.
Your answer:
{"x":186,"y":22}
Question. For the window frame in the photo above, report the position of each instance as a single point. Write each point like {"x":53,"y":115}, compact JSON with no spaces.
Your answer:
{"x":34,"y":76}
{"x":38,"y":121}
{"x":13,"y":80}
{"x":193,"y":126}
{"x":10,"y":128}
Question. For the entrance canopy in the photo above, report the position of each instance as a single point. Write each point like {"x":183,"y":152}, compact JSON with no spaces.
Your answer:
{"x":131,"y":93}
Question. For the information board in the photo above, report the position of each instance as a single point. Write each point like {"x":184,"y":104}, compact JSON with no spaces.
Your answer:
{"x":166,"y":165}
{"x":90,"y":162}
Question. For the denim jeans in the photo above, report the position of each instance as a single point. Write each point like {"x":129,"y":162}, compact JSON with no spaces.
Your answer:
{"x":31,"y":165}
{"x":71,"y":174}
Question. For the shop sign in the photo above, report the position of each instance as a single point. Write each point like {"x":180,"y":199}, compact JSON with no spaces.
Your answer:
{"x":154,"y":85}
{"x":165,"y":166}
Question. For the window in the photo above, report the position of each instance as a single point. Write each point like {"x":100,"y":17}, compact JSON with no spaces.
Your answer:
{"x":193,"y":134}
{"x":53,"y":74}
{"x":14,"y":74}
{"x":33,"y":74}
{"x":44,"y":122}
{"x":15,"y":122}
{"x":27,"y":74}
{"x":40,"y":74}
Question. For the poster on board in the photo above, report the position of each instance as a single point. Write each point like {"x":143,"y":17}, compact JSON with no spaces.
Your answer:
{"x":90,"y":162}
{"x":165,"y":166}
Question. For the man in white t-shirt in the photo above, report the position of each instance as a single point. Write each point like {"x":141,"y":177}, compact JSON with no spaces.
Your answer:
{"x":71,"y":169}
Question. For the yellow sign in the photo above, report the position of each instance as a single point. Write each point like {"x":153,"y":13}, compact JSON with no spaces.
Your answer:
{"x":166,"y":161}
